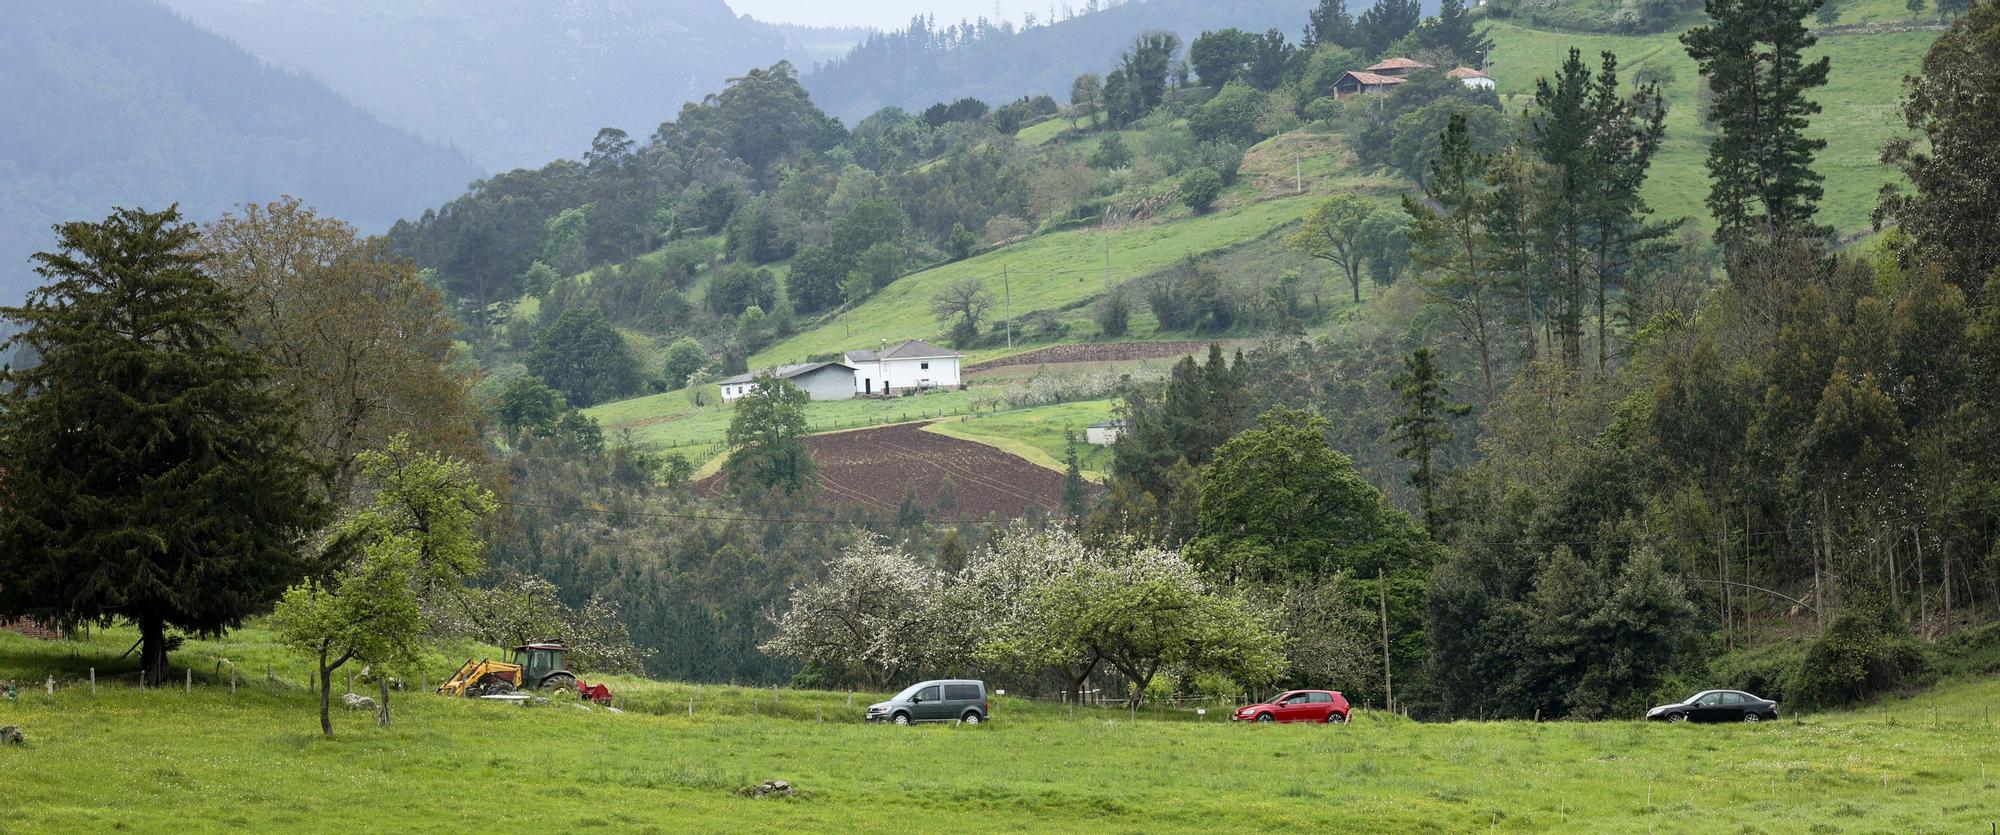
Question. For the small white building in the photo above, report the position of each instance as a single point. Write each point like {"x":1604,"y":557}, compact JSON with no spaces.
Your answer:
{"x":911,"y":365}
{"x":1471,"y":78}
{"x":819,"y":380}
{"x":1104,"y":432}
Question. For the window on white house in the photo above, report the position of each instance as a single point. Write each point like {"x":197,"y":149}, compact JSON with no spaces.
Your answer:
{"x":924,"y":365}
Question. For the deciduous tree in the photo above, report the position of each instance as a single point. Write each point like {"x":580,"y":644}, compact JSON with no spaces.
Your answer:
{"x":766,"y":446}
{"x":1331,"y":234}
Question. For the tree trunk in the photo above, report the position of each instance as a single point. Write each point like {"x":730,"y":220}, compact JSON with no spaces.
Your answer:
{"x":325,"y":696}
{"x":382,"y":711}
{"x":1354,"y":280}
{"x":153,"y":651}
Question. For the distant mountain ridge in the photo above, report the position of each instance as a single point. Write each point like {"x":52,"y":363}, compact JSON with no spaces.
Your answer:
{"x":516,"y":82}
{"x":124,"y":103}
{"x":912,"y":70}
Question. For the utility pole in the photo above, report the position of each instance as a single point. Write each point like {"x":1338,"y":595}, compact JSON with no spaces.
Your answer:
{"x":1388,"y":684}
{"x":1007,"y":287}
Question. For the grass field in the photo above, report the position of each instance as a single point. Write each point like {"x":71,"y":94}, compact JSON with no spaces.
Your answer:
{"x":1042,"y":273}
{"x":1037,"y":434}
{"x":211,"y":762}
{"x":1859,"y":107}
{"x":669,"y":420}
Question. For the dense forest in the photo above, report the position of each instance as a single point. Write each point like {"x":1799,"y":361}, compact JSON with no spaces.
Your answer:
{"x":200,"y":122}
{"x":1511,"y":444}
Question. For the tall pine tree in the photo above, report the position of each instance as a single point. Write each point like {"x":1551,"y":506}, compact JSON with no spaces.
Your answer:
{"x":152,"y":474}
{"x":1761,"y":160}
{"x":1424,"y":426}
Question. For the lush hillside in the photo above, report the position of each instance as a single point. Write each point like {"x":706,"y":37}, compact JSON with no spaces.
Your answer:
{"x":514,"y":82}
{"x":122,"y":102}
{"x":1859,"y":108}
{"x":993,"y":61}
{"x":212,"y":761}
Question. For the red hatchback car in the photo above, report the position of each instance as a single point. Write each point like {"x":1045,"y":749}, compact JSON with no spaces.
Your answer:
{"x":1297,"y":706}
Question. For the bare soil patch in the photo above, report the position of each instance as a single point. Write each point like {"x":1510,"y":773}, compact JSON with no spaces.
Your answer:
{"x":874,"y":468}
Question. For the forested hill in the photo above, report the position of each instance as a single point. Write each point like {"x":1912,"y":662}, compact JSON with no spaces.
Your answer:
{"x":123,"y":102}
{"x":997,"y":62}
{"x":515,"y":82}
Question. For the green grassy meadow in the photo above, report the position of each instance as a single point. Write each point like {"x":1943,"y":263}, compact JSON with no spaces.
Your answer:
{"x":1044,"y":273}
{"x":1858,"y":103}
{"x":669,"y":420}
{"x":208,"y":761}
{"x":1036,"y":434}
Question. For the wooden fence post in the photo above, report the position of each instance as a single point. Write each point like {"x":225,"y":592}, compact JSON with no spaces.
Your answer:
{"x":190,"y":679}
{"x":232,"y":681}
{"x":819,"y":713}
{"x":93,"y":681}
{"x":690,"y":705}
{"x":51,"y":685}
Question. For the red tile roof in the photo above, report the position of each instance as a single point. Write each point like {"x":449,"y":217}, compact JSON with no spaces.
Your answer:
{"x":1372,"y":78}
{"x":1400,"y":64}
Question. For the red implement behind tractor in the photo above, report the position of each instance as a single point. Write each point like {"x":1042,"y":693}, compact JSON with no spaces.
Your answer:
{"x":594,"y":693}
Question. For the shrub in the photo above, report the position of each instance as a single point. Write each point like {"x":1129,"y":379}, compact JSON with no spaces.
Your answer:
{"x":1199,"y":189}
{"x":1765,"y":671}
{"x":1863,"y":654}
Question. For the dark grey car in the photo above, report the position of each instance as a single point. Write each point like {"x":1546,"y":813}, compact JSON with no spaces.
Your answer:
{"x":944,"y":700}
{"x":1716,"y":706}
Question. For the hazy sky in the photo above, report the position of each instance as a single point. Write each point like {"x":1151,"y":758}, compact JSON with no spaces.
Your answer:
{"x":881,"y":14}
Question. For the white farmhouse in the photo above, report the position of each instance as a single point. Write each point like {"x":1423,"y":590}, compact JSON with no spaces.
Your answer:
{"x":1471,"y":78}
{"x":911,"y":365}
{"x":819,"y":380}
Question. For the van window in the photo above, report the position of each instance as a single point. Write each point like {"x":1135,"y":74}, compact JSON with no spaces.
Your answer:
{"x":928,"y":694}
{"x":961,"y":692}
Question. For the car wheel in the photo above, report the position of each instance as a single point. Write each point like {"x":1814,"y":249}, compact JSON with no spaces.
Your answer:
{"x":1336,"y":718}
{"x":1677,"y":717}
{"x":902,"y":719}
{"x":972,"y":717}
{"x":1752,"y":717}
{"x":1265,"y":717}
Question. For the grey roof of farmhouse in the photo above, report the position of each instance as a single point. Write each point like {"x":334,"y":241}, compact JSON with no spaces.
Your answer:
{"x":783,"y":372}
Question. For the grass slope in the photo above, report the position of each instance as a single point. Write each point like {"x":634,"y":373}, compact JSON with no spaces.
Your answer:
{"x":1036,"y":434}
{"x":1859,"y":107}
{"x":669,"y":420}
{"x":1045,"y":272}
{"x":210,"y":762}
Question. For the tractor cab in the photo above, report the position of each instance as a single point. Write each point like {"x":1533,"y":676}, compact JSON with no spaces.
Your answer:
{"x":540,"y":660}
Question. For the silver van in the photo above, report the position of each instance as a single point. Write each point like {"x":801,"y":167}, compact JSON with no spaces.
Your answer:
{"x":943,"y":700}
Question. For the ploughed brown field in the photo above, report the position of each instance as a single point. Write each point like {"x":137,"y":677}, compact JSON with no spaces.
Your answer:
{"x":873,"y":468}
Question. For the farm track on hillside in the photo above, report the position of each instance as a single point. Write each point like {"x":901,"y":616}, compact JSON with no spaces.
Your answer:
{"x":1095,"y":352}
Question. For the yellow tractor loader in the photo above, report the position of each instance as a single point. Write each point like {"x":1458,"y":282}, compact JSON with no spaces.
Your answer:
{"x":535,"y":667}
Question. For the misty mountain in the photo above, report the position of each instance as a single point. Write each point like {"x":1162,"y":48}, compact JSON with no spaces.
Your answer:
{"x":931,"y":62}
{"x":516,"y":82}
{"x":124,"y":103}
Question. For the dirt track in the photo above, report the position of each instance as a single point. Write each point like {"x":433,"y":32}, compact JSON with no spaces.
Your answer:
{"x":1095,"y":352}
